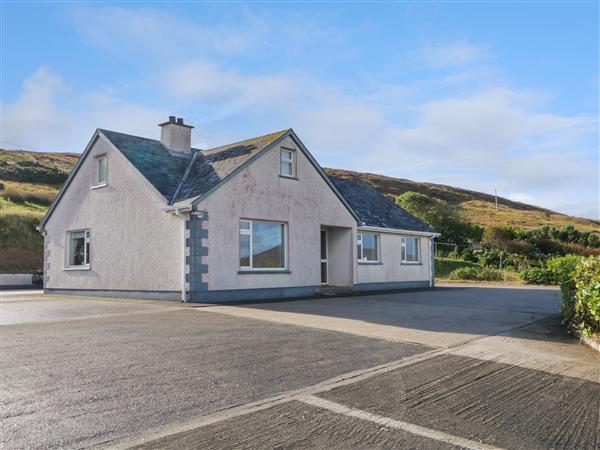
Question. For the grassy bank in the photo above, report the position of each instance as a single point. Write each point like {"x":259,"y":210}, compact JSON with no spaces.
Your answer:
{"x":20,"y":243}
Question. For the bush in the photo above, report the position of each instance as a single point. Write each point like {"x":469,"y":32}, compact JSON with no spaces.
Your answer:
{"x":20,"y":232}
{"x":32,"y":171}
{"x":444,"y":266}
{"x":442,"y":217}
{"x":538,"y":275}
{"x":557,"y":271}
{"x":22,"y":196}
{"x":563,"y":267}
{"x":476,"y":273}
{"x":581,"y":296}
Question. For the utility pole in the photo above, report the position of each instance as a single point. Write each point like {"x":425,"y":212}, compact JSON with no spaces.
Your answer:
{"x":496,"y":198}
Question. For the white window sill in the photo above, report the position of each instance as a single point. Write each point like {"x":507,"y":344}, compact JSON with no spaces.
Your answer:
{"x":98,"y":186}
{"x":372,"y":263}
{"x":289,"y":177}
{"x":411,"y":263}
{"x":77,"y":268}
{"x":263,"y":271}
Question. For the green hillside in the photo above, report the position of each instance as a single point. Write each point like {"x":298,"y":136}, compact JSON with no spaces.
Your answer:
{"x":30,"y":180}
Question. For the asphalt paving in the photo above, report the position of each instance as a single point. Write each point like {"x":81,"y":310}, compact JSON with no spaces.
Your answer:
{"x":454,"y":367}
{"x":78,"y":383}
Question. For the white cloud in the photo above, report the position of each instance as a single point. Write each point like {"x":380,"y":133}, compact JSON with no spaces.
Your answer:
{"x":202,"y":80}
{"x":453,"y":54}
{"x":49,"y":115}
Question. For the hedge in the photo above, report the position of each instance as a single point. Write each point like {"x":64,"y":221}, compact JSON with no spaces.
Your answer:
{"x":581,"y":296}
{"x":476,"y":273}
{"x":557,"y":271}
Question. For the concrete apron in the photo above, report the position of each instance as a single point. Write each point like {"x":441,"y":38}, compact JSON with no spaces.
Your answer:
{"x":533,"y":341}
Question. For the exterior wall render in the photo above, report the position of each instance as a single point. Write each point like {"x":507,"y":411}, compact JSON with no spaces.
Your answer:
{"x":390,"y":268}
{"x":134,"y":245}
{"x":258,"y":192}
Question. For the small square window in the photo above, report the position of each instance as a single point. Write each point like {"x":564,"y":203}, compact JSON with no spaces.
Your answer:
{"x":78,"y":248}
{"x":410,"y":250}
{"x":101,"y":171}
{"x":368,"y":247}
{"x":288,"y":163}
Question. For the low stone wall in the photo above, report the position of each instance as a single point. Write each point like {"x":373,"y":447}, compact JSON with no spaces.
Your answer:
{"x":15,"y":280}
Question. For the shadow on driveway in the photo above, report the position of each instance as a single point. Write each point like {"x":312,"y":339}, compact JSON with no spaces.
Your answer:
{"x":441,"y":317}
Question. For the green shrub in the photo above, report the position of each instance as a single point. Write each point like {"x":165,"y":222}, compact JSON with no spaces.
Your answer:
{"x":557,"y":271}
{"x":442,"y":216}
{"x":581,"y":296}
{"x":443,"y":266}
{"x":476,"y":273}
{"x":563,"y":268}
{"x":21,"y":196}
{"x":538,"y":275}
{"x":20,"y":232}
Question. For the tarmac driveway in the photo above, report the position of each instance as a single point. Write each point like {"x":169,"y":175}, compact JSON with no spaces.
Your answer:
{"x":460,"y":367}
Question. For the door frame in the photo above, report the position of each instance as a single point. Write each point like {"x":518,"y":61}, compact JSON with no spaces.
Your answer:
{"x":324,"y":233}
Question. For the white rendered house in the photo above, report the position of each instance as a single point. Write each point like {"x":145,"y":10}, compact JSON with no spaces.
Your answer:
{"x":257,"y":219}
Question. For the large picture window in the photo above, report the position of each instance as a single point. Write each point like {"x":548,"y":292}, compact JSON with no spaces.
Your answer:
{"x":367,"y":247}
{"x":410,"y":250}
{"x":78,"y":249}
{"x":262,"y":245}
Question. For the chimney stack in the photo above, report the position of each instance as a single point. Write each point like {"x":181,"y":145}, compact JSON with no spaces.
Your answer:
{"x":176,"y":135}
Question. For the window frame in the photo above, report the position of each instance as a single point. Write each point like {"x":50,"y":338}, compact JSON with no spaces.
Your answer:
{"x":86,"y":250}
{"x":360,"y":257}
{"x":97,"y":182}
{"x":249,"y":232}
{"x":291,"y":161}
{"x":403,"y":259}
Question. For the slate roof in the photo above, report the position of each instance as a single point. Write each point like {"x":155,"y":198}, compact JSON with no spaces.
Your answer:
{"x":183,"y":177}
{"x":212,"y":165}
{"x":376,"y":210}
{"x":161,"y":167}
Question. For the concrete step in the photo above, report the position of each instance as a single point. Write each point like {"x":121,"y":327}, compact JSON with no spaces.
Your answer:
{"x":333,"y":291}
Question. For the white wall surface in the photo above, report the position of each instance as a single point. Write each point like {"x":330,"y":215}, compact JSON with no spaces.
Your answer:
{"x":134,"y":244}
{"x":340,"y":256}
{"x":258,"y":192}
{"x":391,"y":269}
{"x":15,"y":279}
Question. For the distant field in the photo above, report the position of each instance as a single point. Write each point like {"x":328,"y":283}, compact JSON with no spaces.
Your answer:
{"x":478,"y":207}
{"x":484,"y":213}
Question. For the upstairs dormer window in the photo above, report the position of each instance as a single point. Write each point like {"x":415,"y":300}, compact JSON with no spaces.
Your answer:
{"x":288,"y":163}
{"x":101,"y":171}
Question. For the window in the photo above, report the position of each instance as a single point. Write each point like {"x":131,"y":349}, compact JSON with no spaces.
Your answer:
{"x":101,"y":171}
{"x":288,"y":168}
{"x":368,"y":247}
{"x":78,"y":248}
{"x":262,"y":245}
{"x":410,"y":250}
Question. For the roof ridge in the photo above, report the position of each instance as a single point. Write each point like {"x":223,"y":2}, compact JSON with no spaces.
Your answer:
{"x":104,"y":130}
{"x":281,"y":132}
{"x":188,"y":169}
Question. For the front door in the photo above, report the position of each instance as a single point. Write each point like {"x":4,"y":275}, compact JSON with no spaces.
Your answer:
{"x":324,"y":257}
